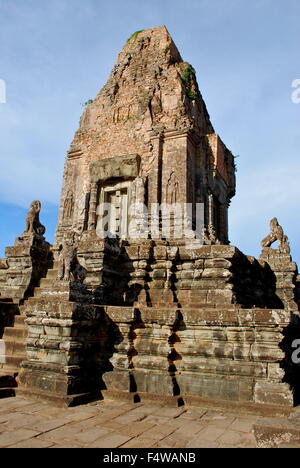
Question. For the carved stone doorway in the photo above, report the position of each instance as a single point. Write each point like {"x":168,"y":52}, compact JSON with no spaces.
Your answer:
{"x":112,"y":211}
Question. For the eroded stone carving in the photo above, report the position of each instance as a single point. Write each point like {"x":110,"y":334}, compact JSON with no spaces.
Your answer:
{"x":68,"y":205}
{"x":3,"y":264}
{"x":33,"y":224}
{"x":122,"y":167}
{"x":172,"y":189}
{"x":83,"y":211}
{"x":138,"y":187}
{"x":210,"y":236}
{"x":276,"y":234}
{"x":68,"y":261}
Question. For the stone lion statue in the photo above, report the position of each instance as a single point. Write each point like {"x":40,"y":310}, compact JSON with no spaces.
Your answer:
{"x":68,"y":261}
{"x":276,"y":234}
{"x":33,"y":224}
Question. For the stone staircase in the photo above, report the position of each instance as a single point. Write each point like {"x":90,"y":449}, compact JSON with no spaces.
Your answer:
{"x":63,"y":343}
{"x":51,"y":289}
{"x":12,"y":354}
{"x":13,"y":348}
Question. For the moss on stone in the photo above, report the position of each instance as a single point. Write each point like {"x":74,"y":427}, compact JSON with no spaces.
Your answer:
{"x":187,"y":74}
{"x":134,"y":35}
{"x":187,"y":77}
{"x":86,"y":103}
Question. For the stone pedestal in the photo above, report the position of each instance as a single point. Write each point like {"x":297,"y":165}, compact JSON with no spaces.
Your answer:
{"x":285,"y":271}
{"x":190,"y":354}
{"x":63,"y":344}
{"x":26,"y":262}
{"x":102,"y":260}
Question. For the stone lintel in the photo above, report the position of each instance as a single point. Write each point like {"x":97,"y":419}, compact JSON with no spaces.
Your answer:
{"x":92,"y":244}
{"x":118,"y":167}
{"x":120,"y":314}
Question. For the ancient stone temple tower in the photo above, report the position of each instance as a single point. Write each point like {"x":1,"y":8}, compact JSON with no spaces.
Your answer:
{"x":137,"y":299}
{"x":146,"y":137}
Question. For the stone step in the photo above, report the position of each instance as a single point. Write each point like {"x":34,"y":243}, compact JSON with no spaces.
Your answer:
{"x":9,"y":370}
{"x":178,"y":305}
{"x":16,"y":292}
{"x":155,"y":306}
{"x":15,"y":332}
{"x":53,"y":285}
{"x":63,"y":292}
{"x":19,"y":340}
{"x":294,"y":444}
{"x":19,"y":321}
{"x":11,"y":361}
{"x":14,"y":347}
{"x":43,"y":302}
{"x":47,"y":282}
{"x":197,"y":305}
{"x":271,"y":432}
{"x":52,"y":274}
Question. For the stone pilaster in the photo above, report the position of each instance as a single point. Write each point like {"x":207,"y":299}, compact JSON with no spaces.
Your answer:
{"x":93,"y":207}
{"x":136,"y":260}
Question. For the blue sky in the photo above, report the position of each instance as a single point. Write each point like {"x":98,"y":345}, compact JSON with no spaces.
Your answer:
{"x":57,"y":54}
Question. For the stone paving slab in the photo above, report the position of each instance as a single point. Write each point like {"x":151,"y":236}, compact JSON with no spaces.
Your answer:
{"x":111,"y":424}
